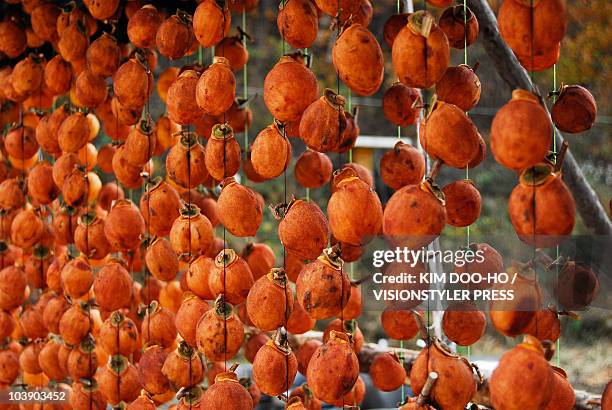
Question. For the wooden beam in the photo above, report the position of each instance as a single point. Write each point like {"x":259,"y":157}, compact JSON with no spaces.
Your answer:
{"x":588,"y":204}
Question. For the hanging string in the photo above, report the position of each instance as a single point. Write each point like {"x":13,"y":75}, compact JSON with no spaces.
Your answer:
{"x":554,"y":96}
{"x":224,"y":230}
{"x":533,"y":184}
{"x":339,"y":165}
{"x":307,"y":57}
{"x":467,"y":167}
{"x":245,"y":84}
{"x":350,"y":109}
{"x":401,"y":342}
{"x":426,"y":107}
{"x":284,"y":131}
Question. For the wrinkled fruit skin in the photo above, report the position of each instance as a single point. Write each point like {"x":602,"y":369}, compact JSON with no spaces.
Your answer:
{"x":413,"y":216}
{"x":268,"y":151}
{"x":304,"y":231}
{"x":563,"y":396}
{"x":522,"y":380}
{"x":463,"y":203}
{"x":387,"y":372}
{"x":289,"y":88}
{"x":398,"y":103}
{"x":358,"y":59}
{"x":408,"y":56}
{"x":459,"y":86}
{"x":452,"y":23}
{"x":226,"y":395}
{"x":575,"y":110}
{"x":322,"y":290}
{"x":355,"y":212}
{"x":464,"y":324}
{"x":521,"y":132}
{"x":399,"y":324}
{"x":401,"y":166}
{"x":448,"y":134}
{"x":515,"y":25}
{"x":298,"y":22}
{"x":455,"y":385}
{"x":322,"y":125}
{"x":239,"y":210}
{"x":269,"y":304}
{"x":531,"y":211}
{"x":269,"y":363}
{"x":333,"y":370}
{"x":211,"y":340}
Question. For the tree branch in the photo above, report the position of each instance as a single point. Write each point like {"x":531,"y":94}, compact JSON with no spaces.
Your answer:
{"x":590,"y":208}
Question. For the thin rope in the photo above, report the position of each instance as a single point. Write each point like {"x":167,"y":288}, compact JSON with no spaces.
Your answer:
{"x":245,"y":84}
{"x":401,"y":342}
{"x":339,"y":164}
{"x":225,"y":333}
{"x":533,"y":200}
{"x":284,"y":130}
{"x":558,"y":349}
{"x":307,"y":56}
{"x":467,"y":167}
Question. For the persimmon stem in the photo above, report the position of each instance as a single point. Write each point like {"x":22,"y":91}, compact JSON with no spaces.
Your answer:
{"x":431,"y":380}
{"x":435,"y":170}
{"x":561,"y":156}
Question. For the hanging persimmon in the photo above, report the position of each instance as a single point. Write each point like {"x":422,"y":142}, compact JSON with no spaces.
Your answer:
{"x":271,"y":152}
{"x":541,"y":207}
{"x":355,"y":212}
{"x":459,"y":86}
{"x":216,"y":88}
{"x":231,"y":276}
{"x":222,"y":156}
{"x":273,"y":359}
{"x":523,"y":378}
{"x":455,"y":145}
{"x":462,"y":203}
{"x":226,"y":393}
{"x":211,"y":22}
{"x":521,"y":132}
{"x":401,"y":166}
{"x":333,"y":369}
{"x":239,"y":209}
{"x":143,"y":25}
{"x":456,"y":382}
{"x":387,"y":372}
{"x":420,"y":51}
{"x":289,"y":88}
{"x":460,"y":26}
{"x":358,"y":59}
{"x":220,"y":333}
{"x":234,"y":50}
{"x":298,"y":22}
{"x":574,"y":110}
{"x":270,"y":301}
{"x":532,"y":27}
{"x":323,"y":288}
{"x":421,"y":221}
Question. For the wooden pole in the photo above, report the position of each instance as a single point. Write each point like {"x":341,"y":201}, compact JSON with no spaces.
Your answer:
{"x":590,"y":208}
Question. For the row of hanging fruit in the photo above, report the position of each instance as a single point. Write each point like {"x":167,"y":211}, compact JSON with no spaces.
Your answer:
{"x":70,"y":244}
